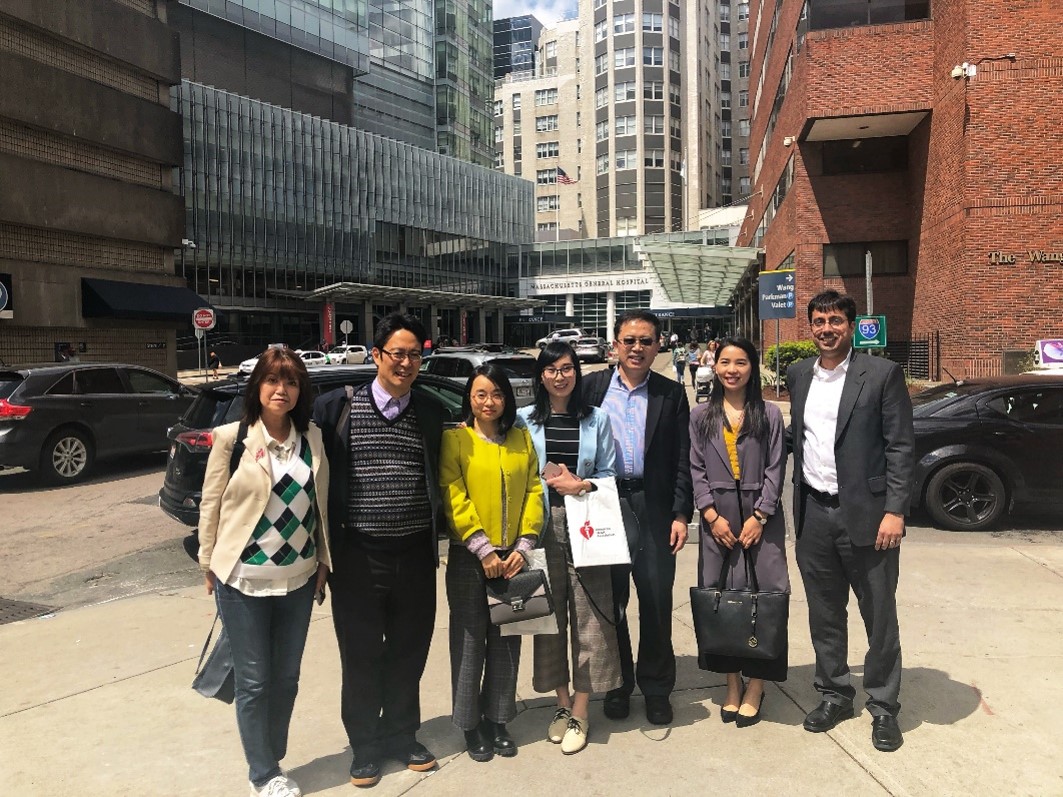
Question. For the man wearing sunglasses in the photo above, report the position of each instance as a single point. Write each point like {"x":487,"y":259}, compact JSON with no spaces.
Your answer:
{"x":382,"y":442}
{"x":650,"y":418}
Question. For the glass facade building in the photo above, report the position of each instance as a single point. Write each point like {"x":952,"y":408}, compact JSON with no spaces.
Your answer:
{"x":515,"y":41}
{"x":464,"y":83}
{"x":279,"y":202}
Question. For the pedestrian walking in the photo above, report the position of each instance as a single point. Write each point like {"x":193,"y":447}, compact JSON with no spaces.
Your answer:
{"x":679,"y":362}
{"x":214,"y":363}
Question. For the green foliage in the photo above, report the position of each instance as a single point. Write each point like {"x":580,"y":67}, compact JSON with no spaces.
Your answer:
{"x":790,"y":351}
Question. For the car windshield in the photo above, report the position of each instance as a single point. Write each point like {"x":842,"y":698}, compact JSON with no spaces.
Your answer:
{"x":933,"y":399}
{"x":587,"y":342}
{"x":516,"y":368}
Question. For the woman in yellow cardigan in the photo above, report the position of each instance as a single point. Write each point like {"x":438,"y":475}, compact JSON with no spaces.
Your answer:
{"x":494,"y":501}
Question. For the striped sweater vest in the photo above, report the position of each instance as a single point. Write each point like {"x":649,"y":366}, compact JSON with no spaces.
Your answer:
{"x":388,"y":495}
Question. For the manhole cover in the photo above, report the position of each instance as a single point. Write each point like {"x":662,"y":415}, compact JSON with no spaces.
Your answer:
{"x":13,"y":611}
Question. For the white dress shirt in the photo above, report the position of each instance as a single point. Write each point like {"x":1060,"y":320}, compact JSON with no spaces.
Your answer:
{"x":821,"y":425}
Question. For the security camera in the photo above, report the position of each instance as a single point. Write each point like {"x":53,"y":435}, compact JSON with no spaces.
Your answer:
{"x":957,"y":72}
{"x":788,"y":141}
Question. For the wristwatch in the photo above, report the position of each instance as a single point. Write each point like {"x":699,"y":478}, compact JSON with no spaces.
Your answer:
{"x":761,"y":519}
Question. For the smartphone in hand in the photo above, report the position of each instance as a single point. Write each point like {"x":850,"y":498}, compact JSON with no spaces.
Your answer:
{"x":551,"y":470}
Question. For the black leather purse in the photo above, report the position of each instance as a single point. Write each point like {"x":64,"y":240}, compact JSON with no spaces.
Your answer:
{"x":745,"y":623}
{"x":526,"y":596}
{"x":215,"y":678}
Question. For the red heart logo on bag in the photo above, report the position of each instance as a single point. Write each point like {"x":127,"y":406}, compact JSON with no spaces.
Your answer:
{"x":587,"y":530}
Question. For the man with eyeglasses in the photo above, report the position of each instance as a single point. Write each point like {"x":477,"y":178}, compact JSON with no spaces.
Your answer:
{"x":650,"y":416}
{"x":382,"y":441}
{"x":853,"y":443}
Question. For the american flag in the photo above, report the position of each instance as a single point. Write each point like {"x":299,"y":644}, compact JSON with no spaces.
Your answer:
{"x":563,"y":178}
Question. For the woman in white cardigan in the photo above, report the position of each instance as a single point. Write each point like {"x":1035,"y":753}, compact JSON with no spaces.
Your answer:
{"x":263,"y":548}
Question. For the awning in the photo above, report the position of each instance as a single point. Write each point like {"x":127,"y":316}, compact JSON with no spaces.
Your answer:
{"x":114,"y":299}
{"x":695,"y":273}
{"x":360,"y":291}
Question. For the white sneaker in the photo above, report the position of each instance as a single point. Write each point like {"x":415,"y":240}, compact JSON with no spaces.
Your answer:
{"x":277,"y":787}
{"x":558,"y":725}
{"x":575,"y":738}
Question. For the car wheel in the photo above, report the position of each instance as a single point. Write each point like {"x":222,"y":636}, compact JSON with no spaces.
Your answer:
{"x":965,"y":496}
{"x":67,"y":456}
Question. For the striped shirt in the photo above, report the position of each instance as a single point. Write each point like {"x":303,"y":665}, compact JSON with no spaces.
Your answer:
{"x":562,"y":446}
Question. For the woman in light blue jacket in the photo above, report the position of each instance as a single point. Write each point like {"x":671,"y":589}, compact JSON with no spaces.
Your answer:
{"x":574,"y":443}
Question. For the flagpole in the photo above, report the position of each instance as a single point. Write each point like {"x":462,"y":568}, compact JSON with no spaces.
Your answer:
{"x":557,"y":210}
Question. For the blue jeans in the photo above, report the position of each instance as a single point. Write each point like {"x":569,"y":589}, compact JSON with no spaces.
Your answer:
{"x":267,"y":635}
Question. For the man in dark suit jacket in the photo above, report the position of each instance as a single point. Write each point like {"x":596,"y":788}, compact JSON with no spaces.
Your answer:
{"x":853,"y":453}
{"x":650,"y":416}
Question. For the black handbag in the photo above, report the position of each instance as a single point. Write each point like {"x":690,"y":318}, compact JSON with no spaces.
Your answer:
{"x":744,"y":623}
{"x":526,"y":596}
{"x":215,"y":678}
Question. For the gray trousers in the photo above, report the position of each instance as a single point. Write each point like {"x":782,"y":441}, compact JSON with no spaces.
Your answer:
{"x":483,"y":663}
{"x":595,"y":657}
{"x":830,"y":565}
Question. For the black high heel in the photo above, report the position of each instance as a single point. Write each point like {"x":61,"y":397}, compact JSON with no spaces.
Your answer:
{"x":743,"y":721}
{"x":731,"y":716}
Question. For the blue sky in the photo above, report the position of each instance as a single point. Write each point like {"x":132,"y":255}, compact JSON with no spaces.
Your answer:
{"x":547,"y":11}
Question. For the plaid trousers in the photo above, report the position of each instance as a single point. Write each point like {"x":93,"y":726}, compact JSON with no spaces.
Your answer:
{"x":595,"y":656}
{"x":483,"y":663}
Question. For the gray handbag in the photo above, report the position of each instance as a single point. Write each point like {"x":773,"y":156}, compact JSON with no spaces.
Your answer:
{"x":526,"y":596}
{"x":215,"y":678}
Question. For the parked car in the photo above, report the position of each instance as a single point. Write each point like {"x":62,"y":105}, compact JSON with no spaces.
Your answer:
{"x":591,"y":349}
{"x":248,"y":365}
{"x":349,"y":354}
{"x":191,"y":437}
{"x":986,"y":446}
{"x":458,"y":365}
{"x":313,"y":357}
{"x":568,"y":335}
{"x":58,"y":420}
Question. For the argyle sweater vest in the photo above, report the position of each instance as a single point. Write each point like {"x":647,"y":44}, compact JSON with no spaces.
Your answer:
{"x":388,"y":495}
{"x":282,"y":543}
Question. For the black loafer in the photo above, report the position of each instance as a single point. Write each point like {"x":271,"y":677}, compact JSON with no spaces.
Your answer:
{"x":480,"y":749}
{"x":886,"y":733}
{"x":658,"y":709}
{"x":501,"y":741}
{"x":617,"y":705}
{"x":826,"y":715}
{"x":365,"y":769}
{"x":414,"y":756}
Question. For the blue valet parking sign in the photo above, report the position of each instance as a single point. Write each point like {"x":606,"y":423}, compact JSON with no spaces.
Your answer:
{"x":870,"y":332}
{"x":777,"y":294}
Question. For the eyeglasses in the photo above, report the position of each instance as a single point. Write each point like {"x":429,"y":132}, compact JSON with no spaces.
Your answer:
{"x":400,"y":356}
{"x":646,"y":342}
{"x":480,"y":396}
{"x":565,"y":370}
{"x":834,"y":321}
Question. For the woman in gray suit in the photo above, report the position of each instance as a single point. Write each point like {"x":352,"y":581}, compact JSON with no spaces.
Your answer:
{"x":737,"y":460}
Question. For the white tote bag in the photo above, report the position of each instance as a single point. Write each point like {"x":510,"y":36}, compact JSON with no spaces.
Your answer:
{"x":596,"y":527}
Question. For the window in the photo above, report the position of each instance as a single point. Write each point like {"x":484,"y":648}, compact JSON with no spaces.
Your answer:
{"x":624,"y":91}
{"x":847,"y":260}
{"x":547,"y":149}
{"x":725,"y":41}
{"x":725,"y":157}
{"x":516,"y":102}
{"x":545,"y":123}
{"x":500,"y":160}
{"x":601,"y":30}
{"x":653,"y":56}
{"x":516,"y":127}
{"x":602,"y":164}
{"x":654,"y":159}
{"x":626,"y":159}
{"x":546,"y":97}
{"x":743,"y":186}
{"x":724,"y":71}
{"x":98,"y":380}
{"x":546,"y":176}
{"x":143,"y":382}
{"x":552,"y":202}
{"x":743,"y":99}
{"x":743,"y":11}
{"x":601,"y":97}
{"x":673,"y":27}
{"x":673,"y":60}
{"x":500,"y":106}
{"x":601,"y":63}
{"x":498,"y":135}
{"x":743,"y":127}
{"x":625,"y":56}
{"x":627,"y":225}
{"x":625,"y":125}
{"x":865,"y":155}
{"x":653,"y":124}
{"x":724,"y":12}
{"x":600,"y":3}
{"x":1033,"y":405}
{"x":725,"y":99}
{"x":743,"y":156}
{"x":673,"y":93}
{"x":653,"y":22}
{"x":623,"y":23}
{"x":546,"y":225}
{"x":743,"y":41}
{"x":653,"y":90}
{"x":551,"y":49}
{"x":675,"y":128}
{"x":743,"y":68}
{"x":601,"y":130}
{"x":675,"y":160}
{"x":725,"y":128}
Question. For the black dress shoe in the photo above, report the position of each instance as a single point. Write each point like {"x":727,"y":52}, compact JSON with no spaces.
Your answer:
{"x":731,"y":716}
{"x":499,"y":737}
{"x":480,"y":749}
{"x":658,"y":709}
{"x":826,"y":715}
{"x":886,"y":734}
{"x":414,"y":756}
{"x":744,"y":721}
{"x":617,"y":705}
{"x":365,"y":769}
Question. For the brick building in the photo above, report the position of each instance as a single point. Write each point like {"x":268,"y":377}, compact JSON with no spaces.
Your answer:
{"x":927,"y":133}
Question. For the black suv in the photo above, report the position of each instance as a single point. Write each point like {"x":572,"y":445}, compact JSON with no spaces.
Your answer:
{"x":191,"y":438}
{"x":58,"y":419}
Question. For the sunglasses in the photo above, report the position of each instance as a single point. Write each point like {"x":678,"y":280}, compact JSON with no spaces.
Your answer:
{"x":646,"y":342}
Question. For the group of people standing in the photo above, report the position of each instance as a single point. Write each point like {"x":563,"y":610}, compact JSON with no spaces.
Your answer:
{"x":355,"y":488}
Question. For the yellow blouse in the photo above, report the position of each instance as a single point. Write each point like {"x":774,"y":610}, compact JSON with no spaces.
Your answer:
{"x":730,"y":439}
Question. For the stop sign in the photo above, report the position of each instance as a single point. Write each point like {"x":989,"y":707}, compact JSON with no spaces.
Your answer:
{"x":203,"y":318}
